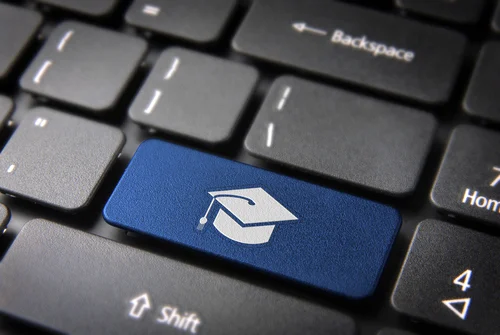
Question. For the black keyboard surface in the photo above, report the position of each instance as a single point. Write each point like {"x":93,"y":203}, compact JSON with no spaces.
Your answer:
{"x":393,"y":101}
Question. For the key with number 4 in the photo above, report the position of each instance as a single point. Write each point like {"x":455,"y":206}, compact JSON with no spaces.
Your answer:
{"x":450,"y":277}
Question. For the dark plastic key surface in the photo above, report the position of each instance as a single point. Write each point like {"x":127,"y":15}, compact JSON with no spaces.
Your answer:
{"x":4,"y":218}
{"x":392,"y":331}
{"x":194,"y":95}
{"x":450,"y":277}
{"x":17,"y":28}
{"x":341,"y":135}
{"x":84,"y":284}
{"x":58,"y":159}
{"x":200,"y":21}
{"x":495,"y":23}
{"x":482,"y":99}
{"x":84,"y":66}
{"x":6,"y":106}
{"x":460,"y":11}
{"x":361,"y":46}
{"x":87,"y":7}
{"x":468,"y":181}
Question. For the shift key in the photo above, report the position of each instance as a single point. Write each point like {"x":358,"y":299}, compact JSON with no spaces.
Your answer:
{"x":356,"y":45}
{"x":77,"y":283}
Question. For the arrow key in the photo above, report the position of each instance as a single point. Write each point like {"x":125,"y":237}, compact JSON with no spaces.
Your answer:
{"x":450,"y":277}
{"x":140,"y":305}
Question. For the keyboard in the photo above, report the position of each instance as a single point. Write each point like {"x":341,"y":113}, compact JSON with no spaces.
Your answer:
{"x":249,"y":167}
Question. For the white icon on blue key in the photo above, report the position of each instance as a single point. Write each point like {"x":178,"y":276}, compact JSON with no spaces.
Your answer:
{"x":243,"y":215}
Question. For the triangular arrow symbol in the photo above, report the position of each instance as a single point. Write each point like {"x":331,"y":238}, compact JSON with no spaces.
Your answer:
{"x":451,"y":304}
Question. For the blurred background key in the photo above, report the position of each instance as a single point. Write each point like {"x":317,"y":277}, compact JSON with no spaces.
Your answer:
{"x":199,"y":21}
{"x":482,"y":99}
{"x":459,"y":11}
{"x":94,"y":8}
{"x":18,"y":26}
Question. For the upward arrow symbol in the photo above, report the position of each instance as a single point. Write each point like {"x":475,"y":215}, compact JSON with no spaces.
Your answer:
{"x":139,"y":305}
{"x":451,"y":304}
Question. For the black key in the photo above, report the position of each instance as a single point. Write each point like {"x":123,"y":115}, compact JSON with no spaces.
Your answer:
{"x":361,"y":46}
{"x":57,"y":159}
{"x":98,"y":291}
{"x":4,"y":218}
{"x":460,"y":11}
{"x":342,"y":135}
{"x":482,"y":99}
{"x":84,"y":65}
{"x":17,"y":28}
{"x":87,"y":7}
{"x":495,"y":23}
{"x":194,"y":95}
{"x":391,"y":331}
{"x":450,"y":277}
{"x":6,"y":106}
{"x":199,"y":21}
{"x":468,"y":182}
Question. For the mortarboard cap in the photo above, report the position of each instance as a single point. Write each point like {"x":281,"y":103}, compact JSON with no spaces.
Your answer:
{"x":252,"y":207}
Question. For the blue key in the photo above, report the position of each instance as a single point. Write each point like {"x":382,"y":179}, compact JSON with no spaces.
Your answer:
{"x":287,"y":227}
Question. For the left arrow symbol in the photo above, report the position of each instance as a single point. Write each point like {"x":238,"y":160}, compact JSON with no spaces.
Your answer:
{"x":302,"y":27}
{"x":139,"y":305}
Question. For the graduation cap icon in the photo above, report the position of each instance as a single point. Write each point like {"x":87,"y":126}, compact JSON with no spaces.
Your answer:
{"x":246,"y":215}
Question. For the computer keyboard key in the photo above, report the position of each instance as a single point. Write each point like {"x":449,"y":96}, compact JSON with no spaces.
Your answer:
{"x":4,"y":218}
{"x":482,"y":99}
{"x":84,"y":66}
{"x":17,"y":28}
{"x":94,"y":8}
{"x":277,"y":224}
{"x":450,"y":277}
{"x":80,"y":283}
{"x":194,"y":95}
{"x":6,"y":106}
{"x":58,"y":159}
{"x":468,"y":181}
{"x":460,"y":11}
{"x":198,"y":21}
{"x":392,"y":331}
{"x":342,"y":135}
{"x":365,"y":47}
{"x":495,"y":23}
